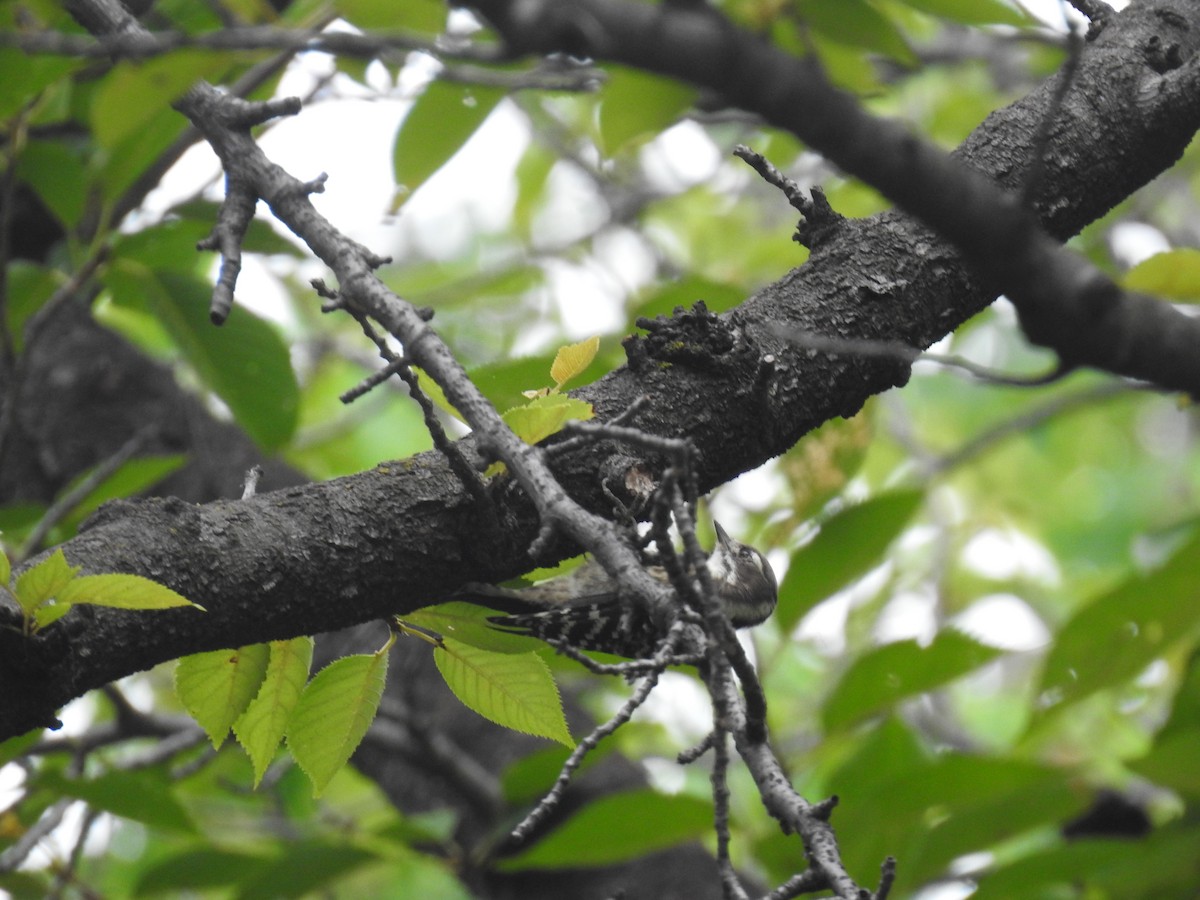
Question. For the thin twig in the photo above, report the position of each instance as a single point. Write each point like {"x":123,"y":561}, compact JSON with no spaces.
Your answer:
{"x":554,"y":796}
{"x":1097,"y":11}
{"x":903,"y":353}
{"x":720,"y":793}
{"x":401,"y":367}
{"x":794,"y":193}
{"x":66,"y":874}
{"x":1041,"y":138}
{"x":1031,"y":419}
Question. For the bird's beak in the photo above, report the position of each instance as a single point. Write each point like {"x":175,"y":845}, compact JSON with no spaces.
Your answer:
{"x":723,"y":537}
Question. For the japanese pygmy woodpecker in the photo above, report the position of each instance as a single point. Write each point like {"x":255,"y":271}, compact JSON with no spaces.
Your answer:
{"x":582,"y":609}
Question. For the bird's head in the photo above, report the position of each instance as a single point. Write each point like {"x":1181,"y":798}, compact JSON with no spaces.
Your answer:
{"x":743,"y":580}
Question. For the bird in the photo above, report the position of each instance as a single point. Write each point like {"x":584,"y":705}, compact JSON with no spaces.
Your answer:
{"x":583,"y":610}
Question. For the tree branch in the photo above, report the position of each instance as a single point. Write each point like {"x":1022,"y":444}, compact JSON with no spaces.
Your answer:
{"x":1065,"y":303}
{"x":324,"y":556}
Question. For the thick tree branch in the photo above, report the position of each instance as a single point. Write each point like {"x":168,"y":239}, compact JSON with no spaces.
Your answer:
{"x":323,"y":556}
{"x":1149,"y":69}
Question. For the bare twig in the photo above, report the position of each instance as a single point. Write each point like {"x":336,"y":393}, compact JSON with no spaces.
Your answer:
{"x":554,"y":796}
{"x":1041,"y":139}
{"x":720,"y":793}
{"x":1097,"y":11}
{"x":794,"y":193}
{"x":1020,"y":424}
{"x":903,"y":353}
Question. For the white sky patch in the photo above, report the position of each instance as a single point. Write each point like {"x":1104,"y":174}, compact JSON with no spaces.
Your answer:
{"x":946,"y":890}
{"x":680,"y":157}
{"x":754,"y":490}
{"x":1004,"y":554}
{"x":1132,"y":242}
{"x":825,"y":624}
{"x":588,"y":305}
{"x":571,"y":208}
{"x":1005,"y":621}
{"x":682,"y":706}
{"x":910,"y":615}
{"x":665,"y":775}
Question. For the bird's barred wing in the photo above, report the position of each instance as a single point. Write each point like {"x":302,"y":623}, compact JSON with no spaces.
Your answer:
{"x":608,"y":626}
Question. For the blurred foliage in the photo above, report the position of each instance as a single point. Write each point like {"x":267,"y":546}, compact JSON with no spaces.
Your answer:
{"x":988,"y":591}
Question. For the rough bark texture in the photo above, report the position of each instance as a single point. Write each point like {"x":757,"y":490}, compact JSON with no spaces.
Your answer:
{"x":317,"y":557}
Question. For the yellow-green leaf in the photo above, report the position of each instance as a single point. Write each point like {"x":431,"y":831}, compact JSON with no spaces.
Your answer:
{"x":216,"y":687}
{"x":511,"y":689}
{"x":262,"y":726}
{"x":38,"y":584}
{"x":122,"y":592}
{"x":542,"y":417}
{"x":133,"y":93}
{"x":572,"y":359}
{"x":333,"y":715}
{"x":434,"y":392}
{"x":5,"y":568}
{"x":1173,"y":275}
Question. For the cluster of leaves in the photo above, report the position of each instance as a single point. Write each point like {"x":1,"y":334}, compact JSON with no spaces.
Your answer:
{"x":45,"y":592}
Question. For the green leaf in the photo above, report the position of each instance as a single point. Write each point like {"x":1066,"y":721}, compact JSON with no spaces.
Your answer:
{"x":122,"y":592}
{"x":511,"y":689}
{"x":134,"y":93}
{"x":617,"y":828}
{"x":44,"y":581}
{"x":1116,"y":636}
{"x":58,"y":174}
{"x":468,"y":623}
{"x":29,"y":287}
{"x":972,"y":12}
{"x":438,"y":124}
{"x":122,"y":166}
{"x":141,"y":796}
{"x":855,"y":23}
{"x":849,"y":545}
{"x":423,"y":16}
{"x":571,"y":360}
{"x":504,"y":382}
{"x":529,"y":778}
{"x":130,"y":479}
{"x":334,"y":713}
{"x":1162,"y":864}
{"x":880,"y":678}
{"x":262,"y":726}
{"x":16,"y":747}
{"x":1173,"y":275}
{"x":544,"y":416}
{"x":197,"y":869}
{"x":22,"y":77}
{"x":661,"y":298}
{"x":303,"y":867}
{"x":216,"y":687}
{"x":5,"y":569}
{"x":245,"y":362}
{"x":1171,"y":763}
{"x":636,"y":105}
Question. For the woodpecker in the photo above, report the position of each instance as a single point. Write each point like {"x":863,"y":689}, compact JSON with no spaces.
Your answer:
{"x":582,"y":609}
